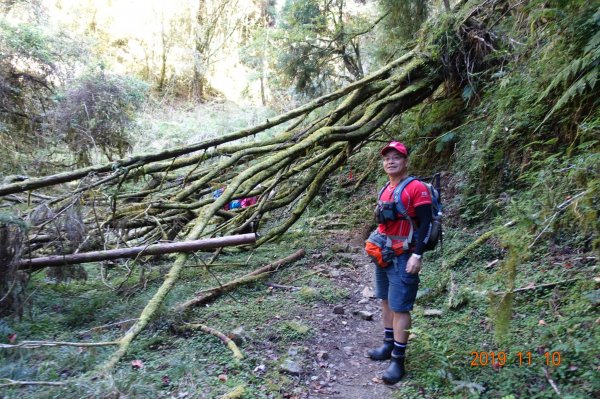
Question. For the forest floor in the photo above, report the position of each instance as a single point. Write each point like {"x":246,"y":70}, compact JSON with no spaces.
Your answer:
{"x":305,"y":331}
{"x":335,"y":364}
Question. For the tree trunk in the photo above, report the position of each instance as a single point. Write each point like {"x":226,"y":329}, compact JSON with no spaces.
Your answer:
{"x":147,"y":250}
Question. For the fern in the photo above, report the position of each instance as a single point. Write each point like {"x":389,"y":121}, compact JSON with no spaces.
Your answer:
{"x":580,"y":76}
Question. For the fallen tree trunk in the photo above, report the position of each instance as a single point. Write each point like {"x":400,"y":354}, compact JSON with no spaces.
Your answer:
{"x":290,"y":167}
{"x":156,"y":249}
{"x":140,"y":160}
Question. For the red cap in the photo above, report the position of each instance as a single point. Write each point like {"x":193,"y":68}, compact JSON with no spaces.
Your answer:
{"x":395,"y":145}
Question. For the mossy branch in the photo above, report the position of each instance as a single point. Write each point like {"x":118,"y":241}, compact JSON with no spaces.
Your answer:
{"x":237,"y":354}
{"x":475,"y":244}
{"x":212,"y":293}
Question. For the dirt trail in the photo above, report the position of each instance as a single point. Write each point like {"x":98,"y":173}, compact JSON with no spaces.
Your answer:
{"x":336,"y":364}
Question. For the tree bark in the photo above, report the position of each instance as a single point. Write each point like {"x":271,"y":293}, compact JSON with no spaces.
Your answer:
{"x":156,"y":249}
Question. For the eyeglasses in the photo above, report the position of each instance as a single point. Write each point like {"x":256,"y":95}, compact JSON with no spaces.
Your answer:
{"x":394,"y":157}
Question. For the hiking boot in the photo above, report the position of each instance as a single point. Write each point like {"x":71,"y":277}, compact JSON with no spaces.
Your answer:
{"x":395,"y":370}
{"x":384,"y":352}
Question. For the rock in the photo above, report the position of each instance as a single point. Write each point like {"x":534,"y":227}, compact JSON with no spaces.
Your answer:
{"x":322,"y":355}
{"x":335,"y":273}
{"x":289,"y":366}
{"x":594,"y":297}
{"x":339,"y":247}
{"x":432,"y":312}
{"x":363,"y":314}
{"x":348,"y":350}
{"x":338,"y":309}
{"x":423,"y":293}
{"x":293,"y":351}
{"x":367,"y":292}
{"x":239,"y":336}
{"x":363,"y":301}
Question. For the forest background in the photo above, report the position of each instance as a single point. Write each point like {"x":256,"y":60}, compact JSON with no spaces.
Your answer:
{"x":513,"y":127}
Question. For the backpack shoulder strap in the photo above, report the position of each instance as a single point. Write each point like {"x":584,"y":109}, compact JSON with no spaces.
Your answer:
{"x":398,"y":195}
{"x":382,"y":190}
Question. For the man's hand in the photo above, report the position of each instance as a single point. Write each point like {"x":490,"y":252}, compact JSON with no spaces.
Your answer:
{"x":413,"y":266}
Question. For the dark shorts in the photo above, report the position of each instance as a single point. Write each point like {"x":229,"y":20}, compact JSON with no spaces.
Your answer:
{"x":396,"y":285}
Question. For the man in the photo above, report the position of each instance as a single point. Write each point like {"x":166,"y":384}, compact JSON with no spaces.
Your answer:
{"x":396,"y":285}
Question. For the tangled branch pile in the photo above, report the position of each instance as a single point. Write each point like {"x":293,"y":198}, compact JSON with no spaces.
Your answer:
{"x":106,"y":206}
{"x":285,"y":169}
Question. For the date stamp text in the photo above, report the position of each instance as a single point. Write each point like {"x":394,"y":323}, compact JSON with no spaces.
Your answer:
{"x":521,"y":359}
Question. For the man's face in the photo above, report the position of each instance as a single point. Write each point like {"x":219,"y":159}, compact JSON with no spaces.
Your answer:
{"x":394,"y":162}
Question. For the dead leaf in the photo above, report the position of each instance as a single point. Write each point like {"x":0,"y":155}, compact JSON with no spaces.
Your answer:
{"x":137,"y":364}
{"x":223,"y":377}
{"x":12,"y":338}
{"x":541,"y":350}
{"x":541,"y":323}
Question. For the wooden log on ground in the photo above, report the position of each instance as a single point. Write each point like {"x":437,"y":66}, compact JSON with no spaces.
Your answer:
{"x":155,"y":249}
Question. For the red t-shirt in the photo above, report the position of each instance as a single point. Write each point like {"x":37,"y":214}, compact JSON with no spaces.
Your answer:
{"x":413,"y":195}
